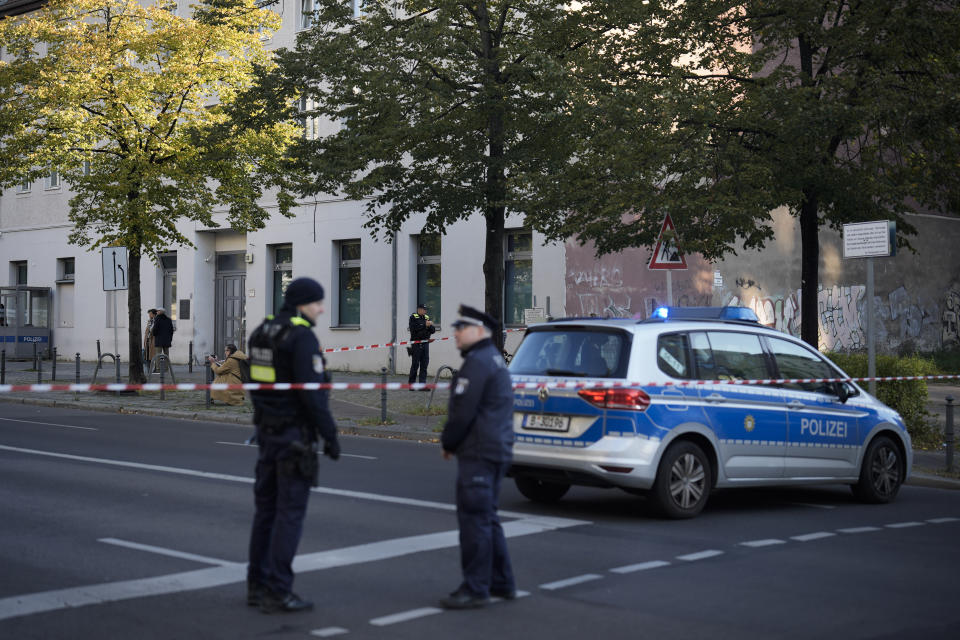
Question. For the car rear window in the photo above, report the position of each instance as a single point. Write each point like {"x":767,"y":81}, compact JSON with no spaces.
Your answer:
{"x":573,"y":352}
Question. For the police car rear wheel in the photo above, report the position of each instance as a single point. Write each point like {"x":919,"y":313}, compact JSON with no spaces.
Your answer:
{"x":683,"y":481}
{"x":540,"y":490}
{"x":881,"y":473}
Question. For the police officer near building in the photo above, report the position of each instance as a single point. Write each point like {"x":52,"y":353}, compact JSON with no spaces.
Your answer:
{"x":479,"y":432}
{"x":285,"y":349}
{"x":421,"y":328}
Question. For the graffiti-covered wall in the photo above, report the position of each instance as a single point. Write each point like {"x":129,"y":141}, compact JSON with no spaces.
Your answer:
{"x":916,"y":293}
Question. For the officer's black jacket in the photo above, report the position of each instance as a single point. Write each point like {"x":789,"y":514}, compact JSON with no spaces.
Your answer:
{"x":418,"y":327}
{"x":480,"y":412}
{"x":298,"y":360}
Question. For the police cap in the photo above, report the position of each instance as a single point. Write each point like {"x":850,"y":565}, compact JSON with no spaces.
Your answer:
{"x":470,"y":316}
{"x":421,"y":305}
{"x":302,"y":291}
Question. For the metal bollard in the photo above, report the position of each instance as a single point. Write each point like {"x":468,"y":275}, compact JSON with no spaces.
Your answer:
{"x":116,"y":361}
{"x":383,"y":394}
{"x":38,"y":363}
{"x":190,"y":359}
{"x":162,"y":394}
{"x":78,"y":374}
{"x":948,"y":433}
{"x":206,"y":376}
{"x":53,"y":366}
{"x":3,"y":366}
{"x":98,"y":349}
{"x":35,"y":356}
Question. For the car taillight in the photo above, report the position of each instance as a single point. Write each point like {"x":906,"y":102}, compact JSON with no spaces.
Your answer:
{"x":634,"y":399}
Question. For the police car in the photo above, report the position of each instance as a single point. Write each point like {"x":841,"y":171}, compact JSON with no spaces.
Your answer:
{"x":678,"y":442}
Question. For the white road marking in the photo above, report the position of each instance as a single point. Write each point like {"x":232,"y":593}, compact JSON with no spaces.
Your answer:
{"x":403,"y":616}
{"x":345,"y":455}
{"x":166,"y":552}
{"x":942,"y":520}
{"x":700,"y":555}
{"x":328,"y":632}
{"x":51,"y":424}
{"x":807,"y":537}
{"x":642,"y":566}
{"x":859,"y":529}
{"x":520,"y":594}
{"x":768,"y":542}
{"x":569,"y":582}
{"x":904,"y":525}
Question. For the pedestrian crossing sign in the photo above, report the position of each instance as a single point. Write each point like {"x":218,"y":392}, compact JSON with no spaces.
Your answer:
{"x":667,"y":253}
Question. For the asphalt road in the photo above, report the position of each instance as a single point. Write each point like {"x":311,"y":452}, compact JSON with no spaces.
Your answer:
{"x":118,"y":526}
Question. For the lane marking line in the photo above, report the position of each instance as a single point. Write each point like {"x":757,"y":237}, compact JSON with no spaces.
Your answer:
{"x":328,"y":632}
{"x":345,"y":455}
{"x":569,"y":582}
{"x":52,"y":424}
{"x":859,"y":530}
{"x":904,"y":525}
{"x":807,"y":537}
{"x":700,"y":555}
{"x":167,"y":552}
{"x":942,"y":520}
{"x":768,"y":542}
{"x":520,"y":594}
{"x":403,"y":616}
{"x":641,"y":566}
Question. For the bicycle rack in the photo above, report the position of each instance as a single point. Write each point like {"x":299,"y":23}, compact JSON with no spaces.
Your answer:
{"x":161,"y":359}
{"x":113,"y":356}
{"x":436,"y":378}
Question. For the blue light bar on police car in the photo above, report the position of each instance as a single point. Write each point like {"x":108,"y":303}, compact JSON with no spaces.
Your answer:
{"x":741,"y":314}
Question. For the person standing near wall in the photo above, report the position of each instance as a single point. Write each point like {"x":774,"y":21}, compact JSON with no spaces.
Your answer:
{"x":148,"y":348}
{"x":479,"y":432}
{"x":162,"y":332}
{"x":421,"y":328}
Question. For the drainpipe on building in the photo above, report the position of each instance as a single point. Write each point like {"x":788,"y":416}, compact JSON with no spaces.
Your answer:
{"x":393,"y":305}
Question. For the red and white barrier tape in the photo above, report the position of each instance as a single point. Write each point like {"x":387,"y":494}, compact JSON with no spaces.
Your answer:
{"x":400,"y":343}
{"x":397,"y":386}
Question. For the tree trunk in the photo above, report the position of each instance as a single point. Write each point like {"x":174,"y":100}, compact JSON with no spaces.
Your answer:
{"x":809,"y":267}
{"x":134,"y":323}
{"x":493,"y":267}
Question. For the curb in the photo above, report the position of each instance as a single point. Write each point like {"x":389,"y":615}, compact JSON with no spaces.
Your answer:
{"x":932,"y":481}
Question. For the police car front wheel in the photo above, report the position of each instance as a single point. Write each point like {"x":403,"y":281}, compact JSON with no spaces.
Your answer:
{"x":881,"y":472}
{"x":683,"y":481}
{"x":540,"y":490}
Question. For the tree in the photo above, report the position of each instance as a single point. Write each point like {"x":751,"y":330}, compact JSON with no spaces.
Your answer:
{"x":840,"y":110}
{"x":445,"y":108}
{"x":146,"y":116}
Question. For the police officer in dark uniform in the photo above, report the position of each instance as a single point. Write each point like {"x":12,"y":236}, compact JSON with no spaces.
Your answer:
{"x":285,"y":349}
{"x":479,"y":432}
{"x":421,"y":328}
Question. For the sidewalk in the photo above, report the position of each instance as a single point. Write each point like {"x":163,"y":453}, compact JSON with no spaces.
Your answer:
{"x":356,"y":412}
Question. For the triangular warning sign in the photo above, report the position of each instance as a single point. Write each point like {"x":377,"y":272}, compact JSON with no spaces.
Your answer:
{"x":667,"y":254}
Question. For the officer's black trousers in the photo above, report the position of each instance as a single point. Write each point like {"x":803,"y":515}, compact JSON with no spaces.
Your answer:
{"x":281,"y":502}
{"x":483,"y":547}
{"x":421,"y":358}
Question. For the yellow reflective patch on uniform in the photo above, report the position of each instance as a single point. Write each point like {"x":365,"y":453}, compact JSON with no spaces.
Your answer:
{"x":261,"y":373}
{"x":300,"y":322}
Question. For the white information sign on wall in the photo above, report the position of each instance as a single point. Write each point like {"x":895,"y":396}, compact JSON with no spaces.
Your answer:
{"x":114,"y":268}
{"x":870,"y":239}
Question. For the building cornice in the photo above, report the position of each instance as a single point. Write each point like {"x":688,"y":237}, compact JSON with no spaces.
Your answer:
{"x":16,"y":7}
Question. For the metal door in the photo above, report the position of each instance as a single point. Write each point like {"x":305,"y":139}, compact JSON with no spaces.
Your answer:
{"x":230,"y":302}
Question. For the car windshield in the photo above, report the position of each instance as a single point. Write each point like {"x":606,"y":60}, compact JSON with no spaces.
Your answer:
{"x":585,"y":352}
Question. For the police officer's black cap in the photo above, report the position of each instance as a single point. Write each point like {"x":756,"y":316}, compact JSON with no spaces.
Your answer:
{"x":421,"y":305}
{"x":303,"y":291}
{"x":475,"y":317}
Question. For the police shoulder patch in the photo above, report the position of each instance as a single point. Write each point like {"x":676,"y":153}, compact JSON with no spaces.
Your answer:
{"x":461,"y":388}
{"x":318,"y":363}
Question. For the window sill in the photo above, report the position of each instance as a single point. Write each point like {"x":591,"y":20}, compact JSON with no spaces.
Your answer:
{"x":70,"y":281}
{"x":348,"y":327}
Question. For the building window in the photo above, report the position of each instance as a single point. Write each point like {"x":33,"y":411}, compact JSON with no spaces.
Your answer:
{"x":517,"y":276}
{"x":24,"y":186}
{"x":282,"y":273}
{"x":308,"y":118}
{"x":348,"y":298}
{"x":168,"y":268}
{"x":52,"y":181}
{"x":19,"y":269}
{"x":306,"y":14}
{"x":65,"y":269}
{"x":428,"y":273}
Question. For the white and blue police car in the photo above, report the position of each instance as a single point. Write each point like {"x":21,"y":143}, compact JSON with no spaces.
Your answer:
{"x":687,"y":430}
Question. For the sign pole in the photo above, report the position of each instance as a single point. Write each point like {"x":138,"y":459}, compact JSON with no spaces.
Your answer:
{"x":871,"y":337}
{"x":669,"y":287}
{"x":116,"y":343}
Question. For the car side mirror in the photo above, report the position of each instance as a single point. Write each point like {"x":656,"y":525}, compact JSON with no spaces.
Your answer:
{"x":843,"y":392}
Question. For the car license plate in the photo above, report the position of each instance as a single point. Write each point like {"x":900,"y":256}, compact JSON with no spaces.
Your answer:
{"x":542,"y":422}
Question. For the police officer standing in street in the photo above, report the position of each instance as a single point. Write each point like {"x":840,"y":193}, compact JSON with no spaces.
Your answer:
{"x":421,"y":328}
{"x":285,"y":349}
{"x":479,"y":432}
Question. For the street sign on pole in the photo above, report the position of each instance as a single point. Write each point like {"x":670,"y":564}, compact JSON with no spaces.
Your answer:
{"x":667,"y":253}
{"x":114,"y":268}
{"x":869,"y":240}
